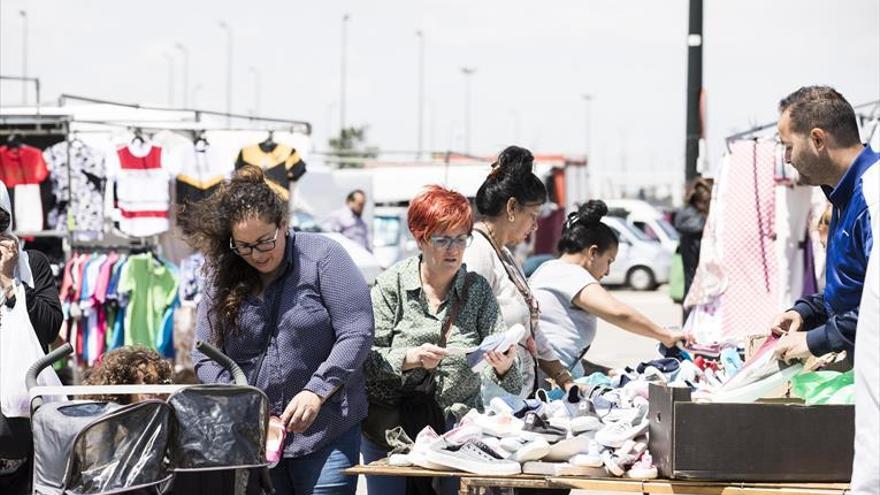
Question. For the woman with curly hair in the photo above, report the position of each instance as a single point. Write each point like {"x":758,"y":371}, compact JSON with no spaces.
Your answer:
{"x":130,"y":365}
{"x":293,"y":310}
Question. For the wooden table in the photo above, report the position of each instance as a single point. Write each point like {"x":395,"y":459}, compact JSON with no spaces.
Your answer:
{"x":474,"y":484}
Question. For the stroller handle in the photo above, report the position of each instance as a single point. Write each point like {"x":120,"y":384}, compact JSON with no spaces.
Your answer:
{"x":212,"y":352}
{"x":30,"y":379}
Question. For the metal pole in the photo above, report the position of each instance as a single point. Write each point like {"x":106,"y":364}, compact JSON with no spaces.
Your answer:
{"x":185,"y":52}
{"x":195,"y":94}
{"x":342,"y":74}
{"x":421,"y":106}
{"x":253,"y":70}
{"x":170,"y":60}
{"x":468,"y":72}
{"x":694,"y":85}
{"x":588,"y":98}
{"x":228,"y":30}
{"x":24,"y":55}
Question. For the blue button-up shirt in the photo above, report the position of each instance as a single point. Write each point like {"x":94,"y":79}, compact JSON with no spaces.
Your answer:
{"x":323,"y":336}
{"x":831,"y":317}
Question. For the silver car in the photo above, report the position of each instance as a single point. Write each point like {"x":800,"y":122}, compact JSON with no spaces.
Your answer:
{"x":641,"y":262}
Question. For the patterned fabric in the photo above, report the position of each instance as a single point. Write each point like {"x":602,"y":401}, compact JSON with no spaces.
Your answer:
{"x":404,"y":320}
{"x":324,"y":333}
{"x":88,"y":173}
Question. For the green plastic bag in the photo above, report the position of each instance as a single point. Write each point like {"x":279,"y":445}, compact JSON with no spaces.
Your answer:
{"x":824,"y":387}
{"x":676,"y":279}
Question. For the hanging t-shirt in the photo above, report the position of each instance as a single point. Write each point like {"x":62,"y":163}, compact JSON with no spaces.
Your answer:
{"x":151,"y":288}
{"x":569,"y":329}
{"x":88,"y":174}
{"x":23,"y":169}
{"x":202,"y":169}
{"x":143,"y":190}
{"x":282,"y":163}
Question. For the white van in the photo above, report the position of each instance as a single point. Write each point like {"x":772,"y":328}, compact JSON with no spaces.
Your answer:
{"x":641,"y":263}
{"x":648,"y":219}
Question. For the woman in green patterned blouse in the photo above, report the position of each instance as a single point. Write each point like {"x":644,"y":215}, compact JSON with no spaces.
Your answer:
{"x":413,"y":372}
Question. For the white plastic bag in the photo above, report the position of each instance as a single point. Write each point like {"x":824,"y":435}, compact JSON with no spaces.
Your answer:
{"x":19,"y":349}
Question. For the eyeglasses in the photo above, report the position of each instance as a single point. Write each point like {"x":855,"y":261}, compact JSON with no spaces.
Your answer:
{"x":244,"y":249}
{"x":446,"y":242}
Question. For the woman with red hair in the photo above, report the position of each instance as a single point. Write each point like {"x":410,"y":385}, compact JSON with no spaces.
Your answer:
{"x":428,"y":312}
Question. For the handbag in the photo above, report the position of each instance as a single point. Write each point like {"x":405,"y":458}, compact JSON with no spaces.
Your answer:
{"x":417,"y":406}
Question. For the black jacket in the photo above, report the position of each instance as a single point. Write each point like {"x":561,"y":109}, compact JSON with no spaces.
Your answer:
{"x":44,"y":308}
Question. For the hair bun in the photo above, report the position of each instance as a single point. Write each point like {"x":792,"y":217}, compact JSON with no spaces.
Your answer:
{"x":592,"y":211}
{"x":514,"y":162}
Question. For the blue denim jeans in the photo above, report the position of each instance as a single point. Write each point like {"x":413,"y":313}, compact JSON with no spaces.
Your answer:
{"x":320,"y":472}
{"x":396,"y":485}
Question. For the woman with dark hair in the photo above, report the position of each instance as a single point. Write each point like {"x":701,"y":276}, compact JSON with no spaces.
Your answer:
{"x":293,"y":310}
{"x":429,"y":312}
{"x":509,"y":201}
{"x":24,"y":272}
{"x":689,"y":222}
{"x":570,"y":296}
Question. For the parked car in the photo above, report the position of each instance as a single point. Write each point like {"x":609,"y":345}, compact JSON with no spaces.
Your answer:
{"x":641,"y":263}
{"x":647,"y":219}
{"x":392,"y":240}
{"x":366,"y":261}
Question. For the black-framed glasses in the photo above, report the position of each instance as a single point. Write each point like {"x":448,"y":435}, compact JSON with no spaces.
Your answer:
{"x":244,"y":249}
{"x":445,"y":241}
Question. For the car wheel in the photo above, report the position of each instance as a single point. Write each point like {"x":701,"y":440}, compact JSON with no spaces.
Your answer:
{"x":641,"y":278}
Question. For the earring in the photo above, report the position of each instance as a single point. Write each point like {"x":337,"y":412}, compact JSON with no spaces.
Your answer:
{"x":511,"y":218}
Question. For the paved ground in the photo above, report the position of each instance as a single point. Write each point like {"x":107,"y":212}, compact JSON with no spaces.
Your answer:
{"x":614,"y":347}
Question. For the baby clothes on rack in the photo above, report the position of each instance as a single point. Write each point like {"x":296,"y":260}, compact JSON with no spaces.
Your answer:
{"x":281,"y":163}
{"x":143,"y":190}
{"x":23,"y":170}
{"x":202,"y":169}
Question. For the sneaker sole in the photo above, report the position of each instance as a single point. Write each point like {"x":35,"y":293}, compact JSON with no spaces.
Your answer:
{"x":496,"y":468}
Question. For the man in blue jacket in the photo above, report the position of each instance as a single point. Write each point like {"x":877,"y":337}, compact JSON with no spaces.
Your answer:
{"x":818,"y":128}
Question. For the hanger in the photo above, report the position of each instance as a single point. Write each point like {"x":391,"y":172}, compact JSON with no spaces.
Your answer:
{"x":138,"y":136}
{"x":269,"y":144}
{"x":14,"y":140}
{"x":201,"y":141}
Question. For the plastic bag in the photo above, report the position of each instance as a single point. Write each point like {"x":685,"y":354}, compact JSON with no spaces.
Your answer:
{"x":19,"y":349}
{"x":676,"y":279}
{"x":824,"y":387}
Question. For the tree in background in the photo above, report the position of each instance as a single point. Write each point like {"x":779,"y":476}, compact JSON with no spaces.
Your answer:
{"x":350,"y":148}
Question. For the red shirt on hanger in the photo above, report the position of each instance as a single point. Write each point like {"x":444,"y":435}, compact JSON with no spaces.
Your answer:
{"x":22,"y":165}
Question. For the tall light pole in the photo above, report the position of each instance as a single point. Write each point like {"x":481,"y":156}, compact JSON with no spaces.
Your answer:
{"x":342,"y":64}
{"x":195,"y":94}
{"x":468,"y":72}
{"x":24,"y":54}
{"x":185,"y":53}
{"x":253,"y":70}
{"x":421,"y":105}
{"x":588,"y":130}
{"x":228,"y":30}
{"x":170,"y":59}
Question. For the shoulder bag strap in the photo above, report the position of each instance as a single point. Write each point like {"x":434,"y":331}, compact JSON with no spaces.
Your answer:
{"x":272,"y":329}
{"x":454,"y":311}
{"x":521,"y":284}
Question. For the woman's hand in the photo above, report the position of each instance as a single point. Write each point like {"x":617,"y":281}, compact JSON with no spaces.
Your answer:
{"x":672,"y":338}
{"x":426,"y":356}
{"x":301,"y":411}
{"x":8,"y":258}
{"x":501,"y":361}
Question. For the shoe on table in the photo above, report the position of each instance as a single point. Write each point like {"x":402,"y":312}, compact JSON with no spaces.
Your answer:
{"x":496,"y":425}
{"x":425,"y":441}
{"x":592,"y":458}
{"x":400,"y":460}
{"x":536,"y":426}
{"x":473,"y":457}
{"x":643,"y":469}
{"x":523,"y":449}
{"x":615,"y":435}
{"x":568,"y":448}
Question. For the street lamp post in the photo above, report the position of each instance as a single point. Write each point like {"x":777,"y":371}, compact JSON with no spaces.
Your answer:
{"x":24,"y":54}
{"x":228,"y":30}
{"x":185,"y":53}
{"x":468,"y":72}
{"x":421,"y":105}
{"x":588,"y":131}
{"x":253,"y":70}
{"x":195,"y":94}
{"x":170,"y":60}
{"x":342,"y":75}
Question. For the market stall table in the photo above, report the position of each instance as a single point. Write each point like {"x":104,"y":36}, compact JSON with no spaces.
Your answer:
{"x":472,"y":484}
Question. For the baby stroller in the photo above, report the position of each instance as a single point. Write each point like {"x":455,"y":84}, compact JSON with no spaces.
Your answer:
{"x":88,"y":447}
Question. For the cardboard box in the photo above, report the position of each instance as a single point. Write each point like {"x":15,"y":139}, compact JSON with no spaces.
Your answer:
{"x":773,"y":442}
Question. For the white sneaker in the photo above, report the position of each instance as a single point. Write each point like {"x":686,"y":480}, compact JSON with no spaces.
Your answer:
{"x":462,"y":434}
{"x":643,"y":469}
{"x":496,"y":425}
{"x":593,"y":457}
{"x":425,"y":441}
{"x":495,"y":444}
{"x":400,"y":460}
{"x":583,"y":424}
{"x":568,"y":448}
{"x":474,"y":457}
{"x":614,"y":435}
{"x":532,"y":450}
